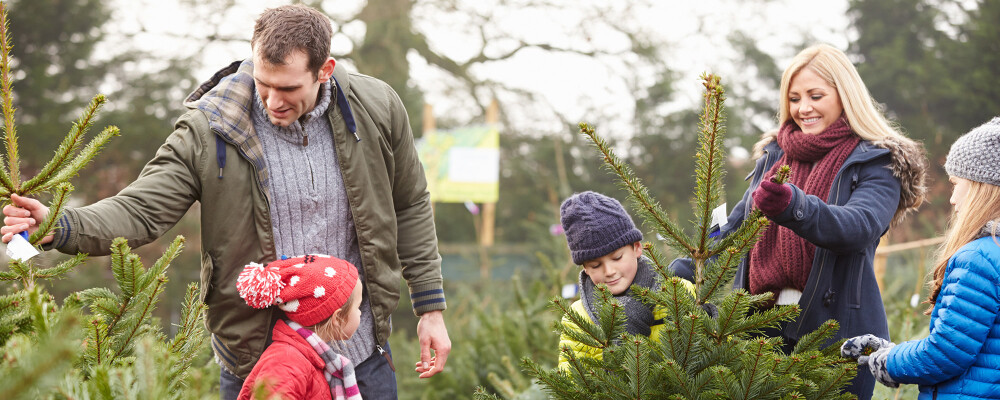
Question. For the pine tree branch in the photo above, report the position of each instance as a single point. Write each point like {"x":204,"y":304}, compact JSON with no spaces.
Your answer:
{"x":677,"y":378}
{"x":47,"y":226}
{"x":735,"y":319}
{"x":610,"y":314}
{"x":649,"y":208}
{"x":637,"y":360}
{"x":101,"y":301}
{"x":23,"y":272}
{"x":96,"y":329}
{"x":830,"y":388}
{"x":61,"y":268}
{"x":126,"y":341}
{"x":82,"y":159}
{"x":8,"y":276}
{"x":590,"y":334}
{"x":191,"y":326}
{"x":578,"y":367}
{"x":11,"y":178}
{"x":555,"y":382}
{"x":171,"y":253}
{"x":189,"y":340}
{"x":723,"y":267}
{"x":70,"y":145}
{"x":709,"y":163}
{"x":756,"y":354}
{"x":47,"y":359}
{"x":659,"y":262}
{"x":813,"y":340}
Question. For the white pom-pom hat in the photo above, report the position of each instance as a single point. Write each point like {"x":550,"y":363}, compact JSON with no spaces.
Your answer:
{"x":309,"y":289}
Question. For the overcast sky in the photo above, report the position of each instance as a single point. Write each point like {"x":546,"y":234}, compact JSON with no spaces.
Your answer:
{"x":568,"y":83}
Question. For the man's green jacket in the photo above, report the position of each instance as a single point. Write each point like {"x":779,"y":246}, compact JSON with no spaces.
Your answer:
{"x":214,"y":157}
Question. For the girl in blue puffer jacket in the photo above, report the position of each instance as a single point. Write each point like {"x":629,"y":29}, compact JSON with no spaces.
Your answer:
{"x":960,"y":359}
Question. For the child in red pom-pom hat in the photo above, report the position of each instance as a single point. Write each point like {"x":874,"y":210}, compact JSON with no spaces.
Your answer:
{"x":321,"y":296}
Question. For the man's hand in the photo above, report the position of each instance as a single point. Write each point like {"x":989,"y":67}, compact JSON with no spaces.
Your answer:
{"x":433,"y":335}
{"x":23,"y":214}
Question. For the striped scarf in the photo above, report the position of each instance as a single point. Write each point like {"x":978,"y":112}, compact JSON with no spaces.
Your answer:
{"x":339,"y":371}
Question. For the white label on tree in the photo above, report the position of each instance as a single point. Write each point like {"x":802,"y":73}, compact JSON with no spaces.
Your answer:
{"x":20,"y":249}
{"x":719,"y":217}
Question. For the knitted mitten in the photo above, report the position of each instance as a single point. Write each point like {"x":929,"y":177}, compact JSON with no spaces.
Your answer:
{"x":876,"y":364}
{"x":859,"y":346}
{"x":772,"y":198}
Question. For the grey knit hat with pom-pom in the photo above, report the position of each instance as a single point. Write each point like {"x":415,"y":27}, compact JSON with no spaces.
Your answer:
{"x":976,"y":155}
{"x":596,"y":225}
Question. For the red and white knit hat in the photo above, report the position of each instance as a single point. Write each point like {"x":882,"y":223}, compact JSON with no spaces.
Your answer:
{"x":308,"y":288}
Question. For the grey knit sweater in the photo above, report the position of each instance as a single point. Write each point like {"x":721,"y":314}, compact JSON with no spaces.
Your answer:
{"x":309,"y":207}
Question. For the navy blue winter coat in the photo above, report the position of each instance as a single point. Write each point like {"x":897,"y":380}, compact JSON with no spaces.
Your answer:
{"x":960,"y":359}
{"x":876,"y":185}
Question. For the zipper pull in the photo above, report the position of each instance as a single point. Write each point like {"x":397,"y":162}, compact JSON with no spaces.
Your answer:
{"x":387,"y":357}
{"x":305,"y":140}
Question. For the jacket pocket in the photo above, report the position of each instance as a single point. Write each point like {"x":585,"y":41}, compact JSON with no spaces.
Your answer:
{"x":855,"y":280}
{"x":207,"y":268}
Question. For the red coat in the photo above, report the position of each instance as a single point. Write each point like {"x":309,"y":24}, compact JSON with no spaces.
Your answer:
{"x":294,"y":369}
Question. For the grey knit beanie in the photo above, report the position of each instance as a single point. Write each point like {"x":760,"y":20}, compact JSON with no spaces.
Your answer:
{"x":596,"y":225}
{"x":976,"y":155}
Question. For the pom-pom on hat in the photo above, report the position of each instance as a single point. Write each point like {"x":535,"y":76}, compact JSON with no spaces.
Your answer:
{"x":596,"y":225}
{"x":308,"y":288}
{"x":976,"y":155}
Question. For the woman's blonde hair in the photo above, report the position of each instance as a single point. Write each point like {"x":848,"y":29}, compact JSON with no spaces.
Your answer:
{"x":863,"y":113}
{"x":981,"y":205}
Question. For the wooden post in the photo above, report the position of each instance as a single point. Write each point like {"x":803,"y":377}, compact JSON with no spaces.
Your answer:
{"x":486,"y":220}
{"x":489,"y":209}
{"x":429,"y":123}
{"x":881,"y":259}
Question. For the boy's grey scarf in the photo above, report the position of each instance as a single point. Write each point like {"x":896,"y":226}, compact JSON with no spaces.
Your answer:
{"x":639,"y":316}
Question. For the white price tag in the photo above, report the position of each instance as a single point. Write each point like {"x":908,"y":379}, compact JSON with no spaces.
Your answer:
{"x":569,"y":291}
{"x":719,"y":217}
{"x":20,"y":249}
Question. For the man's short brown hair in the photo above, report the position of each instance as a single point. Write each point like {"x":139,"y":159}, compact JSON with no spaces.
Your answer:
{"x":283,"y":30}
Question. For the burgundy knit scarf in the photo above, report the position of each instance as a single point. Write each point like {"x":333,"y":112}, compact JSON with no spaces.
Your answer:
{"x":782,"y":259}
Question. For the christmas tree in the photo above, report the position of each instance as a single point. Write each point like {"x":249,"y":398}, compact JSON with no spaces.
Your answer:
{"x":116,"y":350}
{"x":712,"y":345}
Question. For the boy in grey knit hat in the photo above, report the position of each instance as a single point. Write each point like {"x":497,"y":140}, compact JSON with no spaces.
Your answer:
{"x":604,"y":241}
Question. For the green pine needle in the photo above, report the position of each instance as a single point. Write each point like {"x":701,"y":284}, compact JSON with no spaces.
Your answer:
{"x":12,"y":176}
{"x":69,"y":146}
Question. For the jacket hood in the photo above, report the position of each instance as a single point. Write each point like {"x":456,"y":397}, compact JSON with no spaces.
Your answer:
{"x":908,"y":164}
{"x":226,"y":99}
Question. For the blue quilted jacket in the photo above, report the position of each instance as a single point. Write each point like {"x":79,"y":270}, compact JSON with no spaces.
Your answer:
{"x":960,"y":359}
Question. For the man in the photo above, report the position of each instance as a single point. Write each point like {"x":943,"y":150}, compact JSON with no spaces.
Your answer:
{"x":288,"y":154}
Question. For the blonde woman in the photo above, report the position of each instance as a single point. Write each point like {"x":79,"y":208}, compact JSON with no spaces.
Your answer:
{"x":959,"y":358}
{"x":853,"y":175}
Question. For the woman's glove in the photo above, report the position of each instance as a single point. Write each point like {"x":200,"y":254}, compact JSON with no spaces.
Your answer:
{"x":876,"y":364}
{"x":862,"y":346}
{"x":772,"y":198}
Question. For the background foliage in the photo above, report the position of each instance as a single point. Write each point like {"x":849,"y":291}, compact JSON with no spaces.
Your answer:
{"x":931,"y":63}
